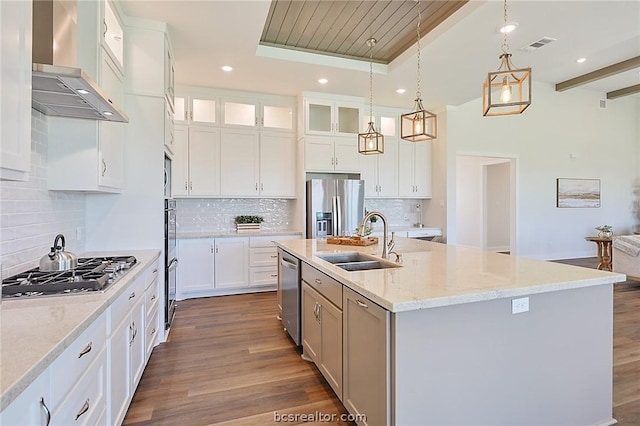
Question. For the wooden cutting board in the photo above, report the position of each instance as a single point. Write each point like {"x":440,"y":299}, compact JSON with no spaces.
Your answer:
{"x":353,"y":241}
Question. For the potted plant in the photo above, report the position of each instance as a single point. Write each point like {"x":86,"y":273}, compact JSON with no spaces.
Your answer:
{"x":248,"y":223}
{"x":605,"y":231}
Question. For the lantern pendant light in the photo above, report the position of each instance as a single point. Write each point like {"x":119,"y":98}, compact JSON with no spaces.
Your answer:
{"x":371,"y":142}
{"x":418,"y":125}
{"x":508,"y":90}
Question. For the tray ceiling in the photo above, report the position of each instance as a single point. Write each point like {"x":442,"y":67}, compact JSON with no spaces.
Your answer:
{"x":341,"y":28}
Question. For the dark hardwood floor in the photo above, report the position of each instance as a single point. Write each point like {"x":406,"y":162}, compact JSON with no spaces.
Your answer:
{"x":229,"y":362}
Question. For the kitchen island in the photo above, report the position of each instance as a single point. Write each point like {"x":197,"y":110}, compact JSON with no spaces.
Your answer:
{"x":468,"y":337}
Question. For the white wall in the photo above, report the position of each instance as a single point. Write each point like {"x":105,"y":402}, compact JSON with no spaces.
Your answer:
{"x":31,"y":216}
{"x":497,"y":206}
{"x":469,"y":211}
{"x":560,"y":135}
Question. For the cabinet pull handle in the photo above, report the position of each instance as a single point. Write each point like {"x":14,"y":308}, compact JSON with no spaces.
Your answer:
{"x":153,"y":297}
{"x":361,"y":303}
{"x":256,"y":186}
{"x":273,"y":256}
{"x":318,"y":281}
{"x":155,"y":271}
{"x":132,"y":295}
{"x":186,"y":185}
{"x":216,"y":249}
{"x":47,"y":413}
{"x":135,"y":332}
{"x":274,"y":275}
{"x":332,"y":161}
{"x":336,"y":161}
{"x":211,"y":248}
{"x":85,"y":351}
{"x":190,"y":186}
{"x":262,"y":187}
{"x":131,"y":334}
{"x":104,"y":167}
{"x":106,"y":28}
{"x":153,"y":331}
{"x":83,"y":410}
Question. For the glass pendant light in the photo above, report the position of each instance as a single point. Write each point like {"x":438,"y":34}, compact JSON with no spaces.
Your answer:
{"x":371,"y":142}
{"x":420,"y":124}
{"x":508,"y":90}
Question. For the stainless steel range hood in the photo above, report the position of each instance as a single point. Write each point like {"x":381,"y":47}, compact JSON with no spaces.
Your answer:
{"x":58,"y":87}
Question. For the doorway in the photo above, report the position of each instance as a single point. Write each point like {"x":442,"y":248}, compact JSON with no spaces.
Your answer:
{"x":485,"y":202}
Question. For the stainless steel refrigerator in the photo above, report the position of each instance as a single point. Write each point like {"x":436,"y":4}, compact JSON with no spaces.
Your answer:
{"x":334,"y":207}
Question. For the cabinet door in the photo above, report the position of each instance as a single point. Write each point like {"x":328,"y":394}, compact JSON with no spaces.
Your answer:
{"x":180,"y":163}
{"x":318,"y":154}
{"x":277,"y":165}
{"x":311,"y":333}
{"x":27,"y":408}
{"x":277,"y":117}
{"x":366,"y":341}
{"x":204,"y":161}
{"x":231,"y":262}
{"x":180,"y":110}
{"x":111,"y":167}
{"x":369,"y":173}
{"x":319,"y":117}
{"x":239,"y":169}
{"x":113,"y":35}
{"x":203,"y":111}
{"x":239,"y":114}
{"x":331,"y":345}
{"x":347,"y":158}
{"x":388,"y":169}
{"x":137,"y":344}
{"x":119,"y":361}
{"x":169,"y":74}
{"x":196,"y":267}
{"x":406,"y":152}
{"x":15,"y":86}
{"x":347,"y":120}
{"x":169,"y":136}
{"x":422,"y":169}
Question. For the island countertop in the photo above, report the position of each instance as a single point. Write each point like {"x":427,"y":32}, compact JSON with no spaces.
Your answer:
{"x":433,"y":275}
{"x":34,"y":331}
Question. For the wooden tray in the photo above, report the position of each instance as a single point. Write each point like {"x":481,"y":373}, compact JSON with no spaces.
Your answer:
{"x":353,"y":241}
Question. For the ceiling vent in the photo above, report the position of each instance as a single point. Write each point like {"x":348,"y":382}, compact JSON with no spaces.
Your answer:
{"x":537,"y":44}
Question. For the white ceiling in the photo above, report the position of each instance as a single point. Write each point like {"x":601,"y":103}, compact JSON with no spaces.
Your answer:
{"x":455,"y":57}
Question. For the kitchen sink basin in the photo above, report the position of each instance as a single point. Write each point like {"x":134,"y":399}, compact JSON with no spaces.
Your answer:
{"x":354,"y":261}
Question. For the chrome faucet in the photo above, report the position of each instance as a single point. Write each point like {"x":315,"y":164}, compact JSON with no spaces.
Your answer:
{"x":386,"y":247}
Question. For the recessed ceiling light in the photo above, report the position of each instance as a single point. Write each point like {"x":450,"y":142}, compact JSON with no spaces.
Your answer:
{"x":581,"y":60}
{"x":107,"y":113}
{"x":83,"y":92}
{"x":323,"y":81}
{"x":508,"y":27}
{"x":401,"y":91}
{"x":227,"y":68}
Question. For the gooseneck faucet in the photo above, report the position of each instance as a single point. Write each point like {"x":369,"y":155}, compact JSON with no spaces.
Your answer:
{"x":386,"y":247}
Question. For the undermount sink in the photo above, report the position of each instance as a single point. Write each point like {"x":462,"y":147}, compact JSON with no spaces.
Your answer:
{"x":354,"y":261}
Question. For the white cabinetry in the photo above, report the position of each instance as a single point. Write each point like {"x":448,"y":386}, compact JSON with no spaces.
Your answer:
{"x":380,"y":172}
{"x":15,"y":86}
{"x":327,"y":117}
{"x":366,"y":357}
{"x":112,"y":34}
{"x":231,"y":262}
{"x":263,"y":259}
{"x":332,"y":154}
{"x":268,"y":114}
{"x":322,"y":324}
{"x":196,"y":162}
{"x":414,"y":174}
{"x":202,"y":110}
{"x":195,"y":272}
{"x":31,"y":406}
{"x":126,"y":348}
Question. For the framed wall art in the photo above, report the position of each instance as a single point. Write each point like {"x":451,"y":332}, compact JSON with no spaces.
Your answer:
{"x":577,"y":193}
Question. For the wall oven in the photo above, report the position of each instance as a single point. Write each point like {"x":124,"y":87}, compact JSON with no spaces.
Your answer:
{"x":170,"y":260}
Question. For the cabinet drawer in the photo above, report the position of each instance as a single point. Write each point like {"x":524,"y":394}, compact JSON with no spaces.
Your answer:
{"x":76,"y":359}
{"x":263,"y":256}
{"x":119,"y":309}
{"x":269,"y":241}
{"x":263,"y":276}
{"x":151,"y":273}
{"x":324,"y":284}
{"x":151,"y":297}
{"x":86,"y":403}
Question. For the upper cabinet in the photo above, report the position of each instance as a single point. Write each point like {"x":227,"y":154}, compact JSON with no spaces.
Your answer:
{"x":414,"y":173}
{"x":325,"y":117}
{"x":15,"y":86}
{"x":201,"y":110}
{"x":268,"y":114}
{"x":113,"y":34}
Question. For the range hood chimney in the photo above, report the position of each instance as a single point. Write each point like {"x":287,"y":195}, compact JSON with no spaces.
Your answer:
{"x":58,"y":87}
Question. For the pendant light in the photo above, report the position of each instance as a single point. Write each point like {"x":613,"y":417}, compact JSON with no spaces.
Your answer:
{"x":508,"y":90}
{"x":371,"y":142}
{"x":420,"y":124}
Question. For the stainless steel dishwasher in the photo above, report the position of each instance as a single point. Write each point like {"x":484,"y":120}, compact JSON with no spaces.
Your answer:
{"x":289,"y":276}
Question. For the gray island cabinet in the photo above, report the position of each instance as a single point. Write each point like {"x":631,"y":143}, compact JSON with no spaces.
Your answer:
{"x":458,"y":336}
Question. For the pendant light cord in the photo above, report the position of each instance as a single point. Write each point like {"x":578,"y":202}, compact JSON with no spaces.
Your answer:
{"x":371,"y":80}
{"x":418,"y":94}
{"x":505,"y":45}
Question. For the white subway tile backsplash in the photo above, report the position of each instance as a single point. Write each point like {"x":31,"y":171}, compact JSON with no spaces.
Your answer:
{"x":31,"y":216}
{"x":399,"y":212}
{"x":212,"y":215}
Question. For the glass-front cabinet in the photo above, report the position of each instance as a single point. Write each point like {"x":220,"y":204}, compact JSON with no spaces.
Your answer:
{"x":324,"y":117}
{"x":196,"y":110}
{"x":267,"y":114}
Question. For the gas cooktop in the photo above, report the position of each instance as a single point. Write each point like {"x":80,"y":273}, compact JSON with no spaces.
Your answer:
{"x":93,"y":274}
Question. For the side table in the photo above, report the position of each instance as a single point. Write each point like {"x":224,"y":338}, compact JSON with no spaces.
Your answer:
{"x":605,"y":254}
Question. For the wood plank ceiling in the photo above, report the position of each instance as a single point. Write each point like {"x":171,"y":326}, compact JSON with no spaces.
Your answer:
{"x":341,"y":28}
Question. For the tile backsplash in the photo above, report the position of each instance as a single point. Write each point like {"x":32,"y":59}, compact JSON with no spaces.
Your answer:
{"x":397,"y":211}
{"x":31,"y":216}
{"x":213,"y":214}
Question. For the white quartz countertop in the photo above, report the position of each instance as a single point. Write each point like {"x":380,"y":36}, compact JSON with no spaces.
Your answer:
{"x":34,"y":331}
{"x":433,"y":275}
{"x":222,"y":234}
